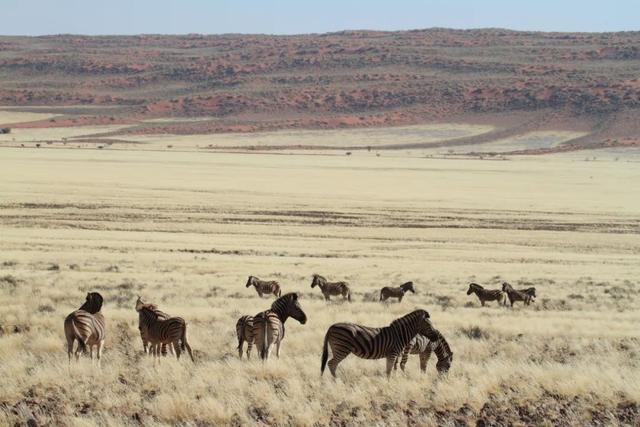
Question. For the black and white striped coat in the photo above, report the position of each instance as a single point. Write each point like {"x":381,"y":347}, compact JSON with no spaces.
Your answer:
{"x":264,"y":287}
{"x":268,"y":326}
{"x":423,"y":346}
{"x":86,"y":325}
{"x":144,"y":333}
{"x":244,"y":330}
{"x":487,"y":294}
{"x":389,"y":292}
{"x":374,"y":343}
{"x":331,"y":288}
{"x":172,"y":331}
{"x":515,"y":295}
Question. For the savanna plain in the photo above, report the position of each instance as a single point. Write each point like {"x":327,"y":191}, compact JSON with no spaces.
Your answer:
{"x":184,"y":229}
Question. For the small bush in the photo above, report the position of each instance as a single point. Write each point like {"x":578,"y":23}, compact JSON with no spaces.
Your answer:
{"x":474,"y":333}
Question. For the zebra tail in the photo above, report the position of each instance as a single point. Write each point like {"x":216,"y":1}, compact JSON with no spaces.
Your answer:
{"x":325,"y":353}
{"x":349,"y":296}
{"x":265,"y":346}
{"x":184,"y":344}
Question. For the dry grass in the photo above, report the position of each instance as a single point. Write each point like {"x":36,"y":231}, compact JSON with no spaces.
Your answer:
{"x":185,"y":229}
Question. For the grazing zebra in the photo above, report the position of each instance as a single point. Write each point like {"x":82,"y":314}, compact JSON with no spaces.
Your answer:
{"x":515,"y":295}
{"x":244,"y":329}
{"x":487,"y":294}
{"x":531,"y":292}
{"x":268,"y":326}
{"x":87,"y":326}
{"x":374,"y":343}
{"x":389,"y":292}
{"x":331,"y":288}
{"x":172,"y":331}
{"x":422,"y":346}
{"x":264,"y":287}
{"x":143,"y":328}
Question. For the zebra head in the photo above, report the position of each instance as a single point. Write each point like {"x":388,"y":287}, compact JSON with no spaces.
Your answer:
{"x":443,"y":365}
{"x":473,"y":287}
{"x":93,"y":303}
{"x":506,"y":287}
{"x":289,"y":306}
{"x":408,"y":287}
{"x":251,"y":281}
{"x":317,"y":280}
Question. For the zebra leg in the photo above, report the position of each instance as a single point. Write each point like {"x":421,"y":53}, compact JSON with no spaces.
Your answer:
{"x":91,"y":353}
{"x":400,"y":298}
{"x":240,"y":345}
{"x":391,"y":360}
{"x":249,"y":346}
{"x":278,"y":349}
{"x":99,"y":352}
{"x":405,"y":357}
{"x":338,"y":356}
{"x":424,"y":358}
{"x":260,"y":294}
{"x":70,"y":349}
{"x":482,"y":302}
{"x":176,"y":347}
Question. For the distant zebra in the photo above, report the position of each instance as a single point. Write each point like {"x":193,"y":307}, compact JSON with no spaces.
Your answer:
{"x":172,"y":331}
{"x":86,"y":325}
{"x":264,"y":286}
{"x":389,"y":292}
{"x":374,"y":343}
{"x":487,"y":294}
{"x":244,"y":330}
{"x":423,"y":346}
{"x":331,"y":288}
{"x":515,"y":295}
{"x":268,"y":326}
{"x":531,"y":292}
{"x":144,"y":333}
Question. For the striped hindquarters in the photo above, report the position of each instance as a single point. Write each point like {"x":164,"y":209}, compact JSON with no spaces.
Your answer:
{"x":363,"y":341}
{"x":268,"y":287}
{"x":165,"y":331}
{"x":267,"y":330}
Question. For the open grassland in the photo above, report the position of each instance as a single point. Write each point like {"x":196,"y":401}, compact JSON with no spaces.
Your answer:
{"x":185,"y":229}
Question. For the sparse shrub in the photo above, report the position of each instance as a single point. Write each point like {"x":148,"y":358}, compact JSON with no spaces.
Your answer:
{"x":53,"y":267}
{"x":46,"y":308}
{"x":9,"y":281}
{"x":575,"y":296}
{"x":9,"y":263}
{"x":474,"y":333}
{"x":74,"y":267}
{"x":112,"y":269}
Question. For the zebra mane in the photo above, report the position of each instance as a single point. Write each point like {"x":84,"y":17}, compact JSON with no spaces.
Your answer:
{"x":93,"y":303}
{"x":507,"y":287}
{"x":410,"y":318}
{"x":475,"y":285}
{"x":149,"y":306}
{"x":291,"y":296}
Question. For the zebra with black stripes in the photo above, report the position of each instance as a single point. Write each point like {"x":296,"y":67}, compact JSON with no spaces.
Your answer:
{"x":244,"y":330}
{"x":423,"y":346}
{"x":268,"y":326}
{"x":265,"y":287}
{"x":487,"y":294}
{"x":531,"y":292}
{"x":515,"y":295}
{"x":87,"y":326}
{"x":144,"y":332}
{"x":172,"y":331}
{"x":331,"y":288}
{"x":374,"y":343}
{"x":390,"y":292}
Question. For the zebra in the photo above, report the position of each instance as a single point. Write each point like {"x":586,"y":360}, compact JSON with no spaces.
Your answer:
{"x":374,"y":343}
{"x":422,"y":346}
{"x":515,"y":295}
{"x":244,"y":329}
{"x":144,"y":332}
{"x":264,"y":287}
{"x":268,"y":326}
{"x":86,"y":325}
{"x":331,"y":288}
{"x":487,"y":294}
{"x":171,"y":331}
{"x":389,"y":292}
{"x":531,"y":292}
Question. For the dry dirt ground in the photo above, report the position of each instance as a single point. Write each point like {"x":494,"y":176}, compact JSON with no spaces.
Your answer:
{"x":185,"y":229}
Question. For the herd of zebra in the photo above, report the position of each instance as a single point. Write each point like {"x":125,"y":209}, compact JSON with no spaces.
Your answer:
{"x":410,"y":334}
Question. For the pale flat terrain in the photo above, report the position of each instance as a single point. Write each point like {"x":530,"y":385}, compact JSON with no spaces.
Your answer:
{"x":185,"y":229}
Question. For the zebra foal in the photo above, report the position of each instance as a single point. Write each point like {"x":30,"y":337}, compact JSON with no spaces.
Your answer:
{"x":268,"y":326}
{"x":374,"y":343}
{"x":172,"y":331}
{"x":423,"y":346}
{"x":264,"y":286}
{"x":87,"y":326}
{"x":331,"y":288}
{"x":389,"y":292}
{"x":144,"y":332}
